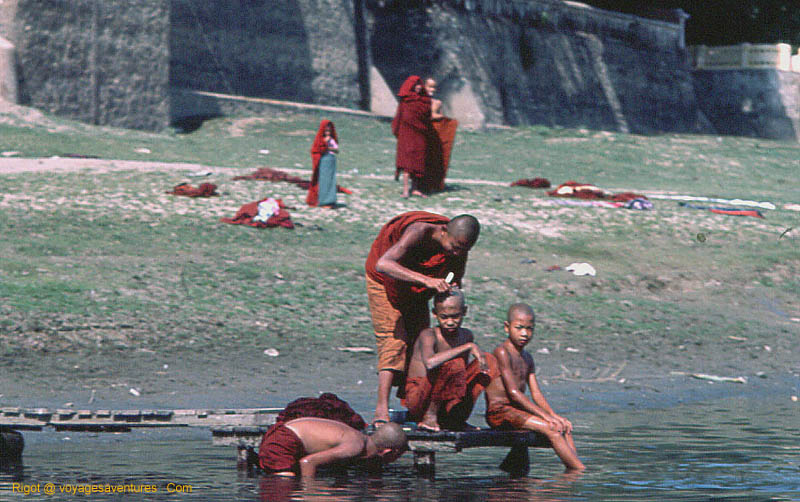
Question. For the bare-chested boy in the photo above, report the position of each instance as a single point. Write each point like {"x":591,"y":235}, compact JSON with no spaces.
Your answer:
{"x":441,"y":388}
{"x":303,"y":444}
{"x":507,"y":406}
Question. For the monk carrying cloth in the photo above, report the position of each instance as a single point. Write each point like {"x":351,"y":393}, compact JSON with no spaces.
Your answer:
{"x":407,"y":264}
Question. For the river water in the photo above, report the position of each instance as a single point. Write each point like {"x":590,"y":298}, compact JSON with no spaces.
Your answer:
{"x":726,"y":450}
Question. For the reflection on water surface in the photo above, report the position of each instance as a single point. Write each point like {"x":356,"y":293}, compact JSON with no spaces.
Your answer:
{"x":724,"y":450}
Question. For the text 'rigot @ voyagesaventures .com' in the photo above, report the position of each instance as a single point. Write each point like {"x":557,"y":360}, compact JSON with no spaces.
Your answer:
{"x":88,"y":489}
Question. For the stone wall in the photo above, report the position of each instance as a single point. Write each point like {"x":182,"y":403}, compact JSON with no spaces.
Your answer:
{"x":298,"y":50}
{"x":99,"y":61}
{"x":553,"y":63}
{"x":756,"y":103}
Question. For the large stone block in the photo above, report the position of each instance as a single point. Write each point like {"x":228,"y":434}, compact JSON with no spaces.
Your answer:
{"x":756,"y":103}
{"x":297,"y":50}
{"x":99,"y":61}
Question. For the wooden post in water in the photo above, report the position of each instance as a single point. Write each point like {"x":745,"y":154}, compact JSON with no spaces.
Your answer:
{"x":11,"y":446}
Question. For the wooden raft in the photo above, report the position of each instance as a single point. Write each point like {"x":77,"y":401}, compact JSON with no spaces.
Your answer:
{"x":125,"y":420}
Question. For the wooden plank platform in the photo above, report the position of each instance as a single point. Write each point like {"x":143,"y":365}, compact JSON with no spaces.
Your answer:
{"x":444,"y":441}
{"x":125,"y":420}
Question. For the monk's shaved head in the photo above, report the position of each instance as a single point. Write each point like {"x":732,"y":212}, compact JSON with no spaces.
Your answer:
{"x":464,"y":228}
{"x":390,"y":435}
{"x":454,"y":293}
{"x":520,"y":310}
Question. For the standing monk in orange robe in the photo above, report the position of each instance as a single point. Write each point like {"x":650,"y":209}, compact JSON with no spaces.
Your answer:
{"x":412,"y":128}
{"x":407,"y":264}
{"x":440,"y":143}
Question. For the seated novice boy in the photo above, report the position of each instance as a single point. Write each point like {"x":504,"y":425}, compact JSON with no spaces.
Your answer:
{"x":441,"y":388}
{"x":507,"y":406}
{"x":303,"y":444}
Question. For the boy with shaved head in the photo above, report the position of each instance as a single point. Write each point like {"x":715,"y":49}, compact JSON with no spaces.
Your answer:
{"x":441,"y":388}
{"x":507,"y":406}
{"x":407,"y":264}
{"x":302,"y":445}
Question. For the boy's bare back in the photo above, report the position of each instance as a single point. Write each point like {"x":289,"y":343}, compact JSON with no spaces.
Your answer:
{"x":321,"y":434}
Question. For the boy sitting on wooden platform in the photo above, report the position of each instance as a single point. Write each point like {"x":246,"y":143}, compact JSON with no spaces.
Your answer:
{"x":441,"y":388}
{"x":507,"y":406}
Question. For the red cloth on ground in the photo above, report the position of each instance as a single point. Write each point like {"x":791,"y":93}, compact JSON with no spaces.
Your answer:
{"x":412,"y":128}
{"x":187,"y":190}
{"x":428,"y":259}
{"x":579,"y":190}
{"x":532,"y":183}
{"x":587,"y":191}
{"x":739,"y":212}
{"x":280,"y":449}
{"x":246,"y":213}
{"x":269,"y":174}
{"x":318,"y":149}
{"x":626,"y":196}
{"x":327,"y":405}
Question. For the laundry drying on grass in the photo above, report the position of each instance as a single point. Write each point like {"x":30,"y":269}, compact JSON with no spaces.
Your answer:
{"x":591,"y":192}
{"x":187,"y":190}
{"x":532,"y":183}
{"x":731,"y":211}
{"x":264,"y":213}
{"x":270,"y":174}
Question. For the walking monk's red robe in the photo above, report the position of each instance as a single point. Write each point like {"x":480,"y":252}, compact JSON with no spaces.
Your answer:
{"x":412,"y":128}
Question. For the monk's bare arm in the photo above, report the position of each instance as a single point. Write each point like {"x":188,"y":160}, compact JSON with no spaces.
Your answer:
{"x":431,"y":359}
{"x":389,"y":263}
{"x":351,"y":445}
{"x":513,"y":386}
{"x":436,"y":109}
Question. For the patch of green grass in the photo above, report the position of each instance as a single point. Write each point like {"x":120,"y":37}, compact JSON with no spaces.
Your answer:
{"x":87,"y":249}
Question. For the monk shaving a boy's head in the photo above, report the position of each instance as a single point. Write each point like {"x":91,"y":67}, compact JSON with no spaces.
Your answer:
{"x":507,"y":406}
{"x":441,"y":385}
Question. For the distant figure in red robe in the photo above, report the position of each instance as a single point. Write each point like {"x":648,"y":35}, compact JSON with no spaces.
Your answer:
{"x":322,"y":190}
{"x":412,"y":128}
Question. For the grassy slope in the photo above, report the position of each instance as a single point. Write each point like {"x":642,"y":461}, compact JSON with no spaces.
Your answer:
{"x":102,"y":263}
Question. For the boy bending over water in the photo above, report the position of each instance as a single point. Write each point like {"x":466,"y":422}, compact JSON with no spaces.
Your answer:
{"x":441,"y":388}
{"x":507,"y":406}
{"x":303,"y":444}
